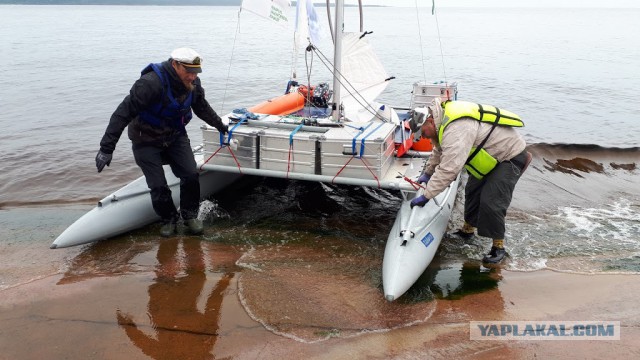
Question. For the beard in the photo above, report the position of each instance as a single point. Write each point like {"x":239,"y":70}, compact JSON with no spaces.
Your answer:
{"x":189,"y":85}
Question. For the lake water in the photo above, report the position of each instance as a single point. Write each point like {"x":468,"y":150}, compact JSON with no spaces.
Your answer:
{"x":571,"y":74}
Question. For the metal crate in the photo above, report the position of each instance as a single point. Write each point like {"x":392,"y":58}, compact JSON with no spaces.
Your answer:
{"x":281,"y":151}
{"x":338,"y":157}
{"x":246,"y":152}
{"x":423,"y":94}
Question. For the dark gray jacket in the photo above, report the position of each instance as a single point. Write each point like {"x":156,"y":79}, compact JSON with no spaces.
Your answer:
{"x":146,"y":91}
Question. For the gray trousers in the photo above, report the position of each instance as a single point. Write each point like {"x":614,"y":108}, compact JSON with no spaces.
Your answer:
{"x":487,"y":200}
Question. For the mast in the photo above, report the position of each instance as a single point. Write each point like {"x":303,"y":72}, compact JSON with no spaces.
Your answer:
{"x":337,"y":59}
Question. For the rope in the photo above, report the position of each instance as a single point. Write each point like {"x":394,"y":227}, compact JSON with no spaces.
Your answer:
{"x":216,"y":152}
{"x":233,"y":48}
{"x":350,"y":88}
{"x":433,"y":12}
{"x":414,"y":184}
{"x":353,"y":149}
{"x":365,"y":164}
{"x":424,"y":69}
{"x":225,"y":145}
{"x":444,"y":71}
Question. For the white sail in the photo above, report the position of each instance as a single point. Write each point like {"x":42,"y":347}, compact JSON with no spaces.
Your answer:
{"x":276,"y":10}
{"x":363,"y":78}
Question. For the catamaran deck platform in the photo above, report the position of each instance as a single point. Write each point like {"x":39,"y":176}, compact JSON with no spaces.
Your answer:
{"x":311,"y":149}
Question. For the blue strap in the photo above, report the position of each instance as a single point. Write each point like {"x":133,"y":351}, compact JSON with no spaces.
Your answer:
{"x":353,"y":142}
{"x":231,"y":131}
{"x":246,"y":113}
{"x":293,"y":133}
{"x":354,"y":127}
{"x":364,"y":138}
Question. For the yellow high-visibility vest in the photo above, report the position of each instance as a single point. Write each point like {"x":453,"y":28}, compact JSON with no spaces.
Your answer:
{"x":480,"y":162}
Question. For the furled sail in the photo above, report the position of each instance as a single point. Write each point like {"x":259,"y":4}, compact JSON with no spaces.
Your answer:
{"x":363,"y":78}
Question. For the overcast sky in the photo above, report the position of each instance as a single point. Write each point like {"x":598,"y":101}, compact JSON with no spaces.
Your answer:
{"x":505,"y":3}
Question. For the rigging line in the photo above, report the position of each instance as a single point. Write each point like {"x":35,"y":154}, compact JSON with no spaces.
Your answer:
{"x":359,"y":99}
{"x":444,"y":71}
{"x":233,"y":48}
{"x":424,"y":69}
{"x":294,"y":58}
{"x":309,"y":67}
{"x":351,"y":90}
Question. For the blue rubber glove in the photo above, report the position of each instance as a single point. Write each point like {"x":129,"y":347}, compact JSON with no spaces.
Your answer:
{"x":424,"y":178}
{"x":419,"y":201}
{"x":102,"y":159}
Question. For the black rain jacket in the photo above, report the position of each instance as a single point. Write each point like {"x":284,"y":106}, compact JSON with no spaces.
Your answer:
{"x":146,"y":91}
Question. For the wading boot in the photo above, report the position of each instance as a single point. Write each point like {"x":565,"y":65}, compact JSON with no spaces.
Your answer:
{"x":168,"y":229}
{"x":495,"y":256}
{"x":465,"y":233}
{"x":195,"y":226}
{"x":460,"y":233}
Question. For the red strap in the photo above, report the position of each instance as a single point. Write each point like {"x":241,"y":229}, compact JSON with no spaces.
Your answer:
{"x":232,"y":155}
{"x":365,"y":164}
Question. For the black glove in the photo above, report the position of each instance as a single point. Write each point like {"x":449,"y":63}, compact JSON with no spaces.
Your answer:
{"x":419,"y":201}
{"x":103,"y":159}
{"x":224,"y":129}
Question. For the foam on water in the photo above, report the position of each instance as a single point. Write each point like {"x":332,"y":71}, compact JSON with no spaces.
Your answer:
{"x":578,"y":239}
{"x":210,"y":210}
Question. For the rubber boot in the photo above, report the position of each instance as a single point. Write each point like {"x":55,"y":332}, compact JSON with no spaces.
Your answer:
{"x":195,"y":226}
{"x":168,"y":229}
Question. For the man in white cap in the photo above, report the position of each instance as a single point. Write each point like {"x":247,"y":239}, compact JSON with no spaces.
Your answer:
{"x":159,"y":106}
{"x":483,"y":140}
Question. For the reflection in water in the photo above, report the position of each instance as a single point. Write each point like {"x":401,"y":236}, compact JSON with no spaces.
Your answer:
{"x":459,"y":280}
{"x":181,"y":330}
{"x":452,"y":281}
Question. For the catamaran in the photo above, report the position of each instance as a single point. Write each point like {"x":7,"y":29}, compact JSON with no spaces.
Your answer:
{"x":339,"y":135}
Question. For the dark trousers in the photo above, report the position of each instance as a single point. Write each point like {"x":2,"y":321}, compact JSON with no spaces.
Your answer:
{"x":487,"y":200}
{"x":179,"y":156}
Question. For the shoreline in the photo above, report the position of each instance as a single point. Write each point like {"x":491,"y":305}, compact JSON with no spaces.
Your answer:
{"x":127,"y":312}
{"x":139,"y":297}
{"x":38,"y":315}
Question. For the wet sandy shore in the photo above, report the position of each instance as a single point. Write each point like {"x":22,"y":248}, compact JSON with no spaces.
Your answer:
{"x":138,"y":297}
